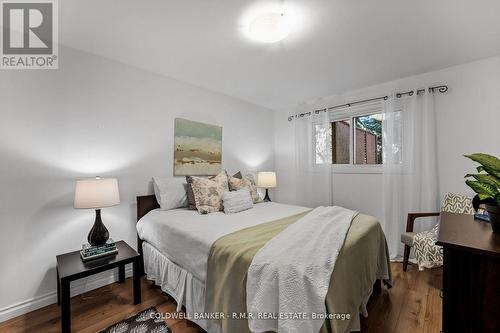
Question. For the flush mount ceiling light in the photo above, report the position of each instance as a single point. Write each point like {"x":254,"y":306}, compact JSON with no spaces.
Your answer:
{"x":269,"y":27}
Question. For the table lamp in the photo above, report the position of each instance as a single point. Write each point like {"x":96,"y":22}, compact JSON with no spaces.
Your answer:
{"x":266,"y":180}
{"x":97,"y":193}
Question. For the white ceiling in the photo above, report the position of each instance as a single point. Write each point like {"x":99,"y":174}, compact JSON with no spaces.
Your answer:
{"x":338,"y":45}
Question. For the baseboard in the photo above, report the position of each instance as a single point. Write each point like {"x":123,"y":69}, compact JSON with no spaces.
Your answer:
{"x":78,"y":287}
{"x":26,"y":306}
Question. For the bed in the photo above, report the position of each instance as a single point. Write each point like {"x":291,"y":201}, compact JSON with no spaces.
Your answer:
{"x":177,"y":247}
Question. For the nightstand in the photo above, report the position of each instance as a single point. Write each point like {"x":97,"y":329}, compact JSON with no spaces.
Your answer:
{"x":70,"y":267}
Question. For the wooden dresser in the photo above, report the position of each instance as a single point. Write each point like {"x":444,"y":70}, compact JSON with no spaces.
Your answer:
{"x":471,"y":275}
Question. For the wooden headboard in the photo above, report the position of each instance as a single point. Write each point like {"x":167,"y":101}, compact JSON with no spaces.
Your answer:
{"x":145,"y":204}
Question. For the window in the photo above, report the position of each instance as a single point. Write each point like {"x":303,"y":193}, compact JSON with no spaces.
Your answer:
{"x":340,"y":136}
{"x":354,"y":140}
{"x":368,"y":139}
{"x":322,"y":138}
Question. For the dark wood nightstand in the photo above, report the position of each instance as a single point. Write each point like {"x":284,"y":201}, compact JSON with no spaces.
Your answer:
{"x":70,"y":267}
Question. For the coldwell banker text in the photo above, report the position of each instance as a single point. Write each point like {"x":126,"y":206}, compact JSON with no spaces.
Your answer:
{"x":29,"y":34}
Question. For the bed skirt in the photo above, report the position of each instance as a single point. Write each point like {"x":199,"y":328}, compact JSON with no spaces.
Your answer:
{"x":187,"y":290}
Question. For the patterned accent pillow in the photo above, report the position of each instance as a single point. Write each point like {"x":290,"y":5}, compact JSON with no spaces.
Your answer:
{"x":252,"y":181}
{"x":190,"y":194}
{"x":189,"y":189}
{"x":248,"y":181}
{"x":456,"y":203}
{"x":208,"y":192}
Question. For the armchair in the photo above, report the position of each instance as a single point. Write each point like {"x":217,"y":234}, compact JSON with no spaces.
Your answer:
{"x":452,"y":203}
{"x":407,"y":237}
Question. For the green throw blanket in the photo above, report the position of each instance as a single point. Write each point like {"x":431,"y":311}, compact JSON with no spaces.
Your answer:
{"x":363,"y":259}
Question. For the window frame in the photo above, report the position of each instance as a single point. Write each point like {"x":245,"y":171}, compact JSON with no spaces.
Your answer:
{"x":349,"y":119}
{"x":350,"y":113}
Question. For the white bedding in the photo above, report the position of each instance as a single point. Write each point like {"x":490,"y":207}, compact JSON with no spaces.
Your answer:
{"x":187,"y":290}
{"x":286,"y":278}
{"x":185,"y":237}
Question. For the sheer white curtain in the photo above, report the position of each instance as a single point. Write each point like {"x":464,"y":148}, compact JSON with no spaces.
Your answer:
{"x":410,"y":181}
{"x":313,"y":155}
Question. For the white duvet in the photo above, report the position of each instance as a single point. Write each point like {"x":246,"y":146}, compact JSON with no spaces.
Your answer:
{"x":185,"y":237}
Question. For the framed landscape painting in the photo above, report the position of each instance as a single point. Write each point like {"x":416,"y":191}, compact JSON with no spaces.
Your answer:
{"x":197,"y":148}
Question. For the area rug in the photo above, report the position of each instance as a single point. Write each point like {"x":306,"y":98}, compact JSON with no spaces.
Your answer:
{"x":147,"y":321}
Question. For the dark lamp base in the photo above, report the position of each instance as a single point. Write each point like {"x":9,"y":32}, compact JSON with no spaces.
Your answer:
{"x":267,"y":198}
{"x":98,"y":235}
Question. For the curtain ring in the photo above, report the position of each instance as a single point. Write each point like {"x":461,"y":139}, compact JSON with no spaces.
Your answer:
{"x":443,"y":89}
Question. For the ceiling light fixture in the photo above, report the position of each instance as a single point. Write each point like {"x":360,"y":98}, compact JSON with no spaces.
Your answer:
{"x":269,"y":27}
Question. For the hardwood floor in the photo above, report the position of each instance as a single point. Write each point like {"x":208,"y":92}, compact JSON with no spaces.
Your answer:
{"x":412,"y":305}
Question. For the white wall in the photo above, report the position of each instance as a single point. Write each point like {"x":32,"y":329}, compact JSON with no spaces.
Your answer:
{"x":95,"y":117}
{"x":467,"y":121}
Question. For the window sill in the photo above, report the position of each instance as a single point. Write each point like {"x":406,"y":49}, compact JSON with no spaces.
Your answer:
{"x":357,"y":169}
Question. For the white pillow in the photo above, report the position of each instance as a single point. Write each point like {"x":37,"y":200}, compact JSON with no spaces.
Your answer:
{"x":237,"y":201}
{"x":170,"y":192}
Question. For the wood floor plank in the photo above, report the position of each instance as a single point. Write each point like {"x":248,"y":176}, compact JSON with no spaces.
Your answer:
{"x":413,"y":305}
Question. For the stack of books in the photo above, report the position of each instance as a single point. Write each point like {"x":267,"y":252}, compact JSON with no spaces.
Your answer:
{"x":90,"y":252}
{"x":482,"y":214}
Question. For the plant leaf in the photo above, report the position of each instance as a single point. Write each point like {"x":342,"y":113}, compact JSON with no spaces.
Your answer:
{"x":484,"y":190}
{"x":488,"y":179}
{"x":490,"y":163}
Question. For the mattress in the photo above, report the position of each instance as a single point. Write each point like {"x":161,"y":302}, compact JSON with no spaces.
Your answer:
{"x":185,"y":237}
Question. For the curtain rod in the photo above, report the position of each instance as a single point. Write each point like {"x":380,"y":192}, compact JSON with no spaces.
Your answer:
{"x":442,"y":89}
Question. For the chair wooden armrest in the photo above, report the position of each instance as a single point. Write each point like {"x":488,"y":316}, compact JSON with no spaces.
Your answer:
{"x":409,"y":228}
{"x":413,"y":216}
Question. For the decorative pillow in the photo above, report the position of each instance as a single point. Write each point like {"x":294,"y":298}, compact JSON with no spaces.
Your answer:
{"x":237,"y":201}
{"x":170,"y":192}
{"x":236,"y":184}
{"x":252,"y":181}
{"x":456,"y":203}
{"x":190,"y":194}
{"x":208,"y":192}
{"x":189,"y":189}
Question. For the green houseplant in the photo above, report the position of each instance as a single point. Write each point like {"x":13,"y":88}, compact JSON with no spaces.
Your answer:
{"x":486,"y":183}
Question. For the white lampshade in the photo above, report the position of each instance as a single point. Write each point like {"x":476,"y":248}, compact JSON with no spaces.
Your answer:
{"x":266,"y":179}
{"x":97,"y":193}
